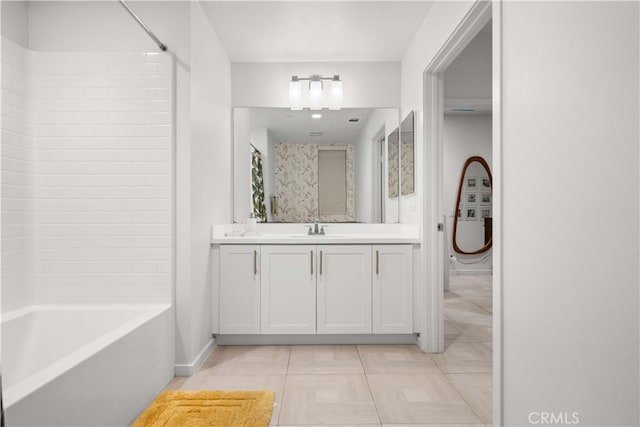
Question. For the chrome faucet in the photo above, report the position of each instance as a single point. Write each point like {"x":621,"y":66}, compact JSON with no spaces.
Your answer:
{"x":316,"y":229}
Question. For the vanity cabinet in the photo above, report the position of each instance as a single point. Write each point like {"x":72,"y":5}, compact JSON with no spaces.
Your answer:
{"x":392,"y":289}
{"x":328,"y":289}
{"x":288,"y":290}
{"x":240,"y":289}
{"x":344,"y":289}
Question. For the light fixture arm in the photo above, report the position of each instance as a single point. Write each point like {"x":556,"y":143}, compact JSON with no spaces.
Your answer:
{"x":316,"y":78}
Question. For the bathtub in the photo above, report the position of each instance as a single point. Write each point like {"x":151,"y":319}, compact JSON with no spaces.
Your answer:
{"x":84,"y":365}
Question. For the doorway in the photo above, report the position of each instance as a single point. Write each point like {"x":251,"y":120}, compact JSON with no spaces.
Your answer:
{"x":437,"y":260}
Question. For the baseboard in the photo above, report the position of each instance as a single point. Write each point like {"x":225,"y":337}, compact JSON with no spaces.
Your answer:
{"x":470,"y":272}
{"x":187,"y":370}
{"x":316,"y":339}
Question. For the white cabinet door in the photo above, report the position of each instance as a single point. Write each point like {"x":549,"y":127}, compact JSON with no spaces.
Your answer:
{"x":392,"y":289}
{"x":239,"y":289}
{"x":288,"y":291}
{"x":344,"y":289}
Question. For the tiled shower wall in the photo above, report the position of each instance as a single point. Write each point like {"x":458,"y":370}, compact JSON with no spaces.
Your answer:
{"x":102,"y":132}
{"x":18,"y":181}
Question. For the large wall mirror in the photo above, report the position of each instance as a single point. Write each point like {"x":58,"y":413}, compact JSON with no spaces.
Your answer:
{"x":299,"y":166}
{"x":472,"y":225}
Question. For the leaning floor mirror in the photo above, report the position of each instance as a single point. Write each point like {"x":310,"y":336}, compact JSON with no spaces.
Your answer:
{"x":472,"y":225}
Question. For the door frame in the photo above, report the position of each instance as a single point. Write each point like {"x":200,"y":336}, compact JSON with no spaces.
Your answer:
{"x":379,"y":142}
{"x":434,"y":241}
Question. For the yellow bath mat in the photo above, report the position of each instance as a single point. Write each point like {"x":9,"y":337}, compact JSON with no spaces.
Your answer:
{"x":208,"y":408}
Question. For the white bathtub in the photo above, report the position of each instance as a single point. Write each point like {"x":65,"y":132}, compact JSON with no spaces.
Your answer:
{"x":84,"y":365}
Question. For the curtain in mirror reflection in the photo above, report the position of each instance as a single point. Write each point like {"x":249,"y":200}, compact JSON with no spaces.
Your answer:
{"x":257,"y":187}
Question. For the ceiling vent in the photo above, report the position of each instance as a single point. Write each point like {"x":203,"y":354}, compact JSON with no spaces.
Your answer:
{"x":316,"y":133}
{"x":354,"y":119}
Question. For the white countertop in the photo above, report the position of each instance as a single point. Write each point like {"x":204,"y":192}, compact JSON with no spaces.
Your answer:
{"x":295,"y":234}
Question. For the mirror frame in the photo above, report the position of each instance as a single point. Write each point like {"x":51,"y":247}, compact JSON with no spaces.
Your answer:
{"x":488,"y":245}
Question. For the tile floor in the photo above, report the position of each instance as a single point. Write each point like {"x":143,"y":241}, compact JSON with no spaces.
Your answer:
{"x":372,"y":385}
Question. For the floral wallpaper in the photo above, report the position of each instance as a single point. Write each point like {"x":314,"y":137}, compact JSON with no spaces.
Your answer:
{"x":296,"y":184}
{"x":393,"y":173}
{"x":407,"y":169}
{"x":296,"y":172}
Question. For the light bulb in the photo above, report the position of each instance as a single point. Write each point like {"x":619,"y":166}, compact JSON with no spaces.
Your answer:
{"x":295,"y":94}
{"x":315,"y":94}
{"x":336,"y":95}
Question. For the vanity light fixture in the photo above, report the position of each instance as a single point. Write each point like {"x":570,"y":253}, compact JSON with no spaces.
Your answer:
{"x":315,"y":97}
{"x":316,"y":116}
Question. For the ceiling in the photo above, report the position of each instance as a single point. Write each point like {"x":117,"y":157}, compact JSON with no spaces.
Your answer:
{"x":293,"y":127}
{"x":468,"y":80}
{"x":315,"y":31}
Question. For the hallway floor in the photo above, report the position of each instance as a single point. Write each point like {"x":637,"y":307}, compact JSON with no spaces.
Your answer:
{"x":372,"y":385}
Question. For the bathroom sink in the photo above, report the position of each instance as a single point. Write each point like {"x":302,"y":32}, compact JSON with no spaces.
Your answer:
{"x":298,"y":236}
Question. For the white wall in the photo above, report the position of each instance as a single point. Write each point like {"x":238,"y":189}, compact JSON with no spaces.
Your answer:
{"x":570,"y":218}
{"x":210,"y":168}
{"x":266,"y":84}
{"x":15,"y":22}
{"x":464,"y":135}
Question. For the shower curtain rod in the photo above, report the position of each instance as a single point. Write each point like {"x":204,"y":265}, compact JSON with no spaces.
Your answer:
{"x":161,"y":45}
